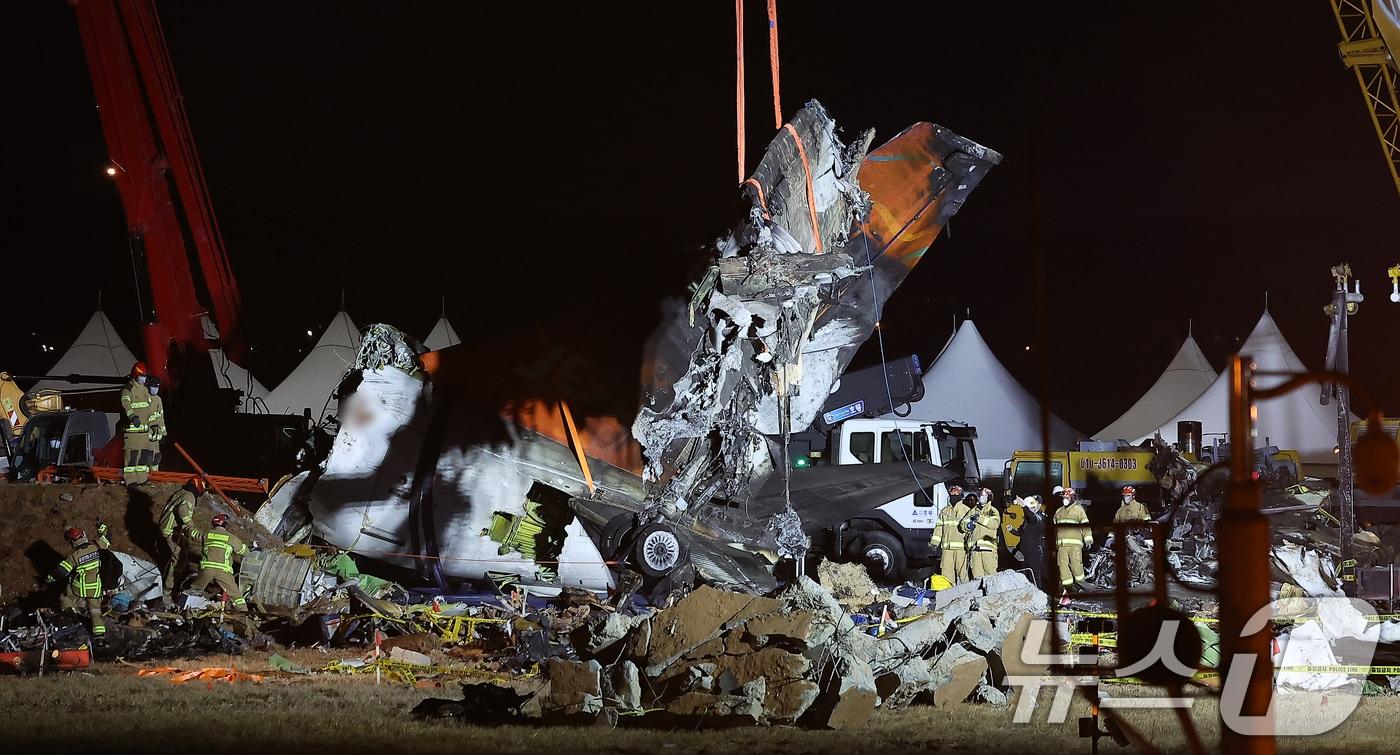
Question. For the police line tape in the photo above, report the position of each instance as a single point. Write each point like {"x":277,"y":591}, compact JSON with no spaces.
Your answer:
{"x":1213,"y":620}
{"x":1203,"y":675}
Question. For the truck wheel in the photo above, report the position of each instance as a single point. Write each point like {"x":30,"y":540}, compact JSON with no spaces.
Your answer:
{"x":657,"y":551}
{"x":883,"y":557}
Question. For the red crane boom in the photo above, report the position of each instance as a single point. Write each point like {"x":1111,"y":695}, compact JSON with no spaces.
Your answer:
{"x":156,"y":169}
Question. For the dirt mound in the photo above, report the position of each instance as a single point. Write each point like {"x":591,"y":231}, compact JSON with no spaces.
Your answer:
{"x":33,"y":518}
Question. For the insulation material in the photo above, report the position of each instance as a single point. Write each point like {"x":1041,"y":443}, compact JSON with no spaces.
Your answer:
{"x":1308,"y":645}
{"x":1307,"y":569}
{"x":793,"y":292}
{"x":140,"y":578}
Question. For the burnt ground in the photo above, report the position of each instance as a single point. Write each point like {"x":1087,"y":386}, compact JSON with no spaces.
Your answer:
{"x":33,"y":518}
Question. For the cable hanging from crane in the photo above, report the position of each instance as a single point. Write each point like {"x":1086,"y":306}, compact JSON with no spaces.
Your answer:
{"x":773,"y":61}
{"x":739,"y":79}
{"x":739,"y":75}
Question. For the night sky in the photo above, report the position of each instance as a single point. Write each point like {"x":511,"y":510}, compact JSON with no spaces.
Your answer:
{"x":553,"y":170}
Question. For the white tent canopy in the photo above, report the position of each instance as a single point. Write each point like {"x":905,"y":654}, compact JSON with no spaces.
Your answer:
{"x":310,"y":385}
{"x":98,"y":350}
{"x":966,"y":383}
{"x":442,"y":336}
{"x":1293,"y":421}
{"x":231,"y":375}
{"x":1186,"y":377}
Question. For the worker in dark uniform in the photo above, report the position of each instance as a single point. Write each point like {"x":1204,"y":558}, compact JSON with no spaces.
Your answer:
{"x":176,"y":524}
{"x":220,"y":547}
{"x":136,"y":436}
{"x":1032,"y":532}
{"x":156,"y":421}
{"x":82,"y":574}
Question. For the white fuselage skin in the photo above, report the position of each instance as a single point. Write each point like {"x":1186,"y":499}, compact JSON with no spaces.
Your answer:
{"x":361,"y":501}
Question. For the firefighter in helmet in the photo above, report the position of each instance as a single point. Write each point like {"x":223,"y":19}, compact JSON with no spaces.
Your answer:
{"x":1131,"y":510}
{"x":219,"y":548}
{"x":176,"y":526}
{"x":136,"y":436}
{"x":81,"y":573}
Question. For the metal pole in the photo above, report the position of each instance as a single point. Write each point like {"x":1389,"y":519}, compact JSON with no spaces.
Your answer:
{"x":1346,"y":472}
{"x":1243,"y":534}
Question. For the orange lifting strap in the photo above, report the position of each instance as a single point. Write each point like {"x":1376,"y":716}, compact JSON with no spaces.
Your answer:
{"x":773,"y":61}
{"x":811,"y":195}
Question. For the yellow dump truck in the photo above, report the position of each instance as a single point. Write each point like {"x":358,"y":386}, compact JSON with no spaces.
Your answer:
{"x":1099,"y":476}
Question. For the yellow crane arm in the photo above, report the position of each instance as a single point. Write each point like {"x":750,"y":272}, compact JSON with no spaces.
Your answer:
{"x":1364,"y":51}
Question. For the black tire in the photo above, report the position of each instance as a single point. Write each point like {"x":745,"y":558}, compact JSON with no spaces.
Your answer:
{"x":657,"y":551}
{"x":615,"y":534}
{"x":883,"y":557}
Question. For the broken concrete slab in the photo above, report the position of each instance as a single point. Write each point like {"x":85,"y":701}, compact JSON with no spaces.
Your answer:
{"x":404,"y":655}
{"x":799,"y":628}
{"x":747,"y":705}
{"x":1018,"y":651}
{"x":789,"y":691}
{"x":602,"y":630}
{"x":1004,"y":609}
{"x":977,"y":629}
{"x":698,"y":618}
{"x":991,"y":695}
{"x":945,"y":597}
{"x":624,"y":685}
{"x":571,"y":685}
{"x":849,"y":583}
{"x":914,"y":639}
{"x":899,"y":685}
{"x":963,"y":680}
{"x":849,"y":700}
{"x":1005,"y":581}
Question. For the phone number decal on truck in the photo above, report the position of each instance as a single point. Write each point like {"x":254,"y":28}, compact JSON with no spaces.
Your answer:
{"x":1110,"y":463}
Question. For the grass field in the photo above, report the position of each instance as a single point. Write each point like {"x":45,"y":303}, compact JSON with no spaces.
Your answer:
{"x":113,"y":710}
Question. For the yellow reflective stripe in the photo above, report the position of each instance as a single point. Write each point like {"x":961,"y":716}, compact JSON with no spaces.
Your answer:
{"x":1069,"y":541}
{"x":953,"y":546}
{"x":217,"y":537}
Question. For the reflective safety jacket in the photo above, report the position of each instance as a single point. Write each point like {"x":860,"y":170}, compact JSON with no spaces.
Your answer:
{"x":988,"y":528}
{"x":1132,"y":512}
{"x":136,"y":405}
{"x":82,"y":570}
{"x":219,"y":547}
{"x":1072,"y":527}
{"x":156,"y":418}
{"x":178,"y":512}
{"x":949,"y":533}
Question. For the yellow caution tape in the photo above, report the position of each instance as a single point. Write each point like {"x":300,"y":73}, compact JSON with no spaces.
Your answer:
{"x":1368,"y":670}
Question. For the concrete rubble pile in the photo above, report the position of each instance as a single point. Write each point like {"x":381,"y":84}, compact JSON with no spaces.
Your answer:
{"x":793,"y":657}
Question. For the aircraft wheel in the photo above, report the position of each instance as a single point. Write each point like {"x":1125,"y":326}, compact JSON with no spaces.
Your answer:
{"x":657,"y":551}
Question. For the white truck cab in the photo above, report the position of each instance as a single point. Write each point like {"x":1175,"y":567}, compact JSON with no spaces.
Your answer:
{"x":894,"y":538}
